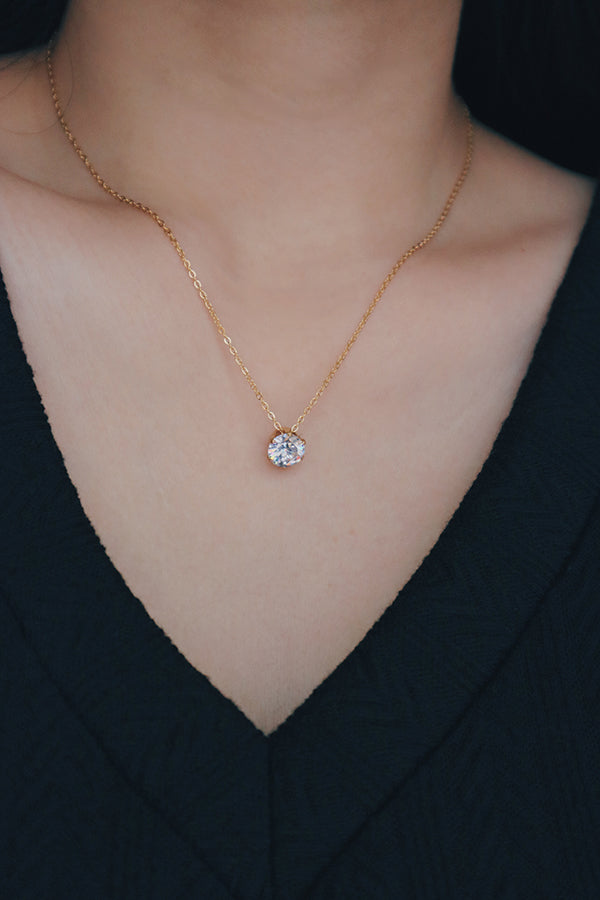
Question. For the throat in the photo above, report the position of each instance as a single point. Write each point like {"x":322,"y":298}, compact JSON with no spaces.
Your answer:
{"x":299,"y":119}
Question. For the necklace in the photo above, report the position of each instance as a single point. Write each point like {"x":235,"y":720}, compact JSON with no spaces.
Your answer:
{"x":286,"y":447}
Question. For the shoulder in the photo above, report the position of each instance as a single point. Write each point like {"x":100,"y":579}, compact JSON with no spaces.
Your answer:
{"x":33,"y":157}
{"x":515,"y":231}
{"x":519,"y":196}
{"x":23,"y":114}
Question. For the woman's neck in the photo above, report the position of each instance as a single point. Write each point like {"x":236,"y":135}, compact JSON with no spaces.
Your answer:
{"x":317,"y":119}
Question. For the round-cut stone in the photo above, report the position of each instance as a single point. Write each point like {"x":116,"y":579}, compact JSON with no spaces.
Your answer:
{"x":286,"y":449}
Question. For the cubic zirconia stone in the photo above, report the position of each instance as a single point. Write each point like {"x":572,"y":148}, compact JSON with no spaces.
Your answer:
{"x":286,"y":449}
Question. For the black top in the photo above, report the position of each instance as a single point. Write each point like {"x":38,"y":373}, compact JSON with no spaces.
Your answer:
{"x":454,"y":754}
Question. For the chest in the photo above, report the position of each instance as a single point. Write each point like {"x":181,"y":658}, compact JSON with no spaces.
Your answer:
{"x":265,"y":579}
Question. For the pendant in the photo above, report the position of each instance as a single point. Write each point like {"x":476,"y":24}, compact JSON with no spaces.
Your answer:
{"x":286,"y":449}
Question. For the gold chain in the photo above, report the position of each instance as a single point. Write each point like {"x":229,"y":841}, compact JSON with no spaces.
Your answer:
{"x":202,"y":293}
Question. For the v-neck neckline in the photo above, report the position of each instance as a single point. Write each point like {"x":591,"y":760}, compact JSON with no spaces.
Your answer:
{"x":339,"y":756}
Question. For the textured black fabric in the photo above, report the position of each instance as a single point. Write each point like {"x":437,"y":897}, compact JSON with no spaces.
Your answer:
{"x":454,"y":754}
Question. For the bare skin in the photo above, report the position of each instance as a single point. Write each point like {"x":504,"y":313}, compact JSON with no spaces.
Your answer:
{"x":296,"y":149}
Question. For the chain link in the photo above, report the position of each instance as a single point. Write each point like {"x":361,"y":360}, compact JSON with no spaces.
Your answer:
{"x":135,"y":204}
